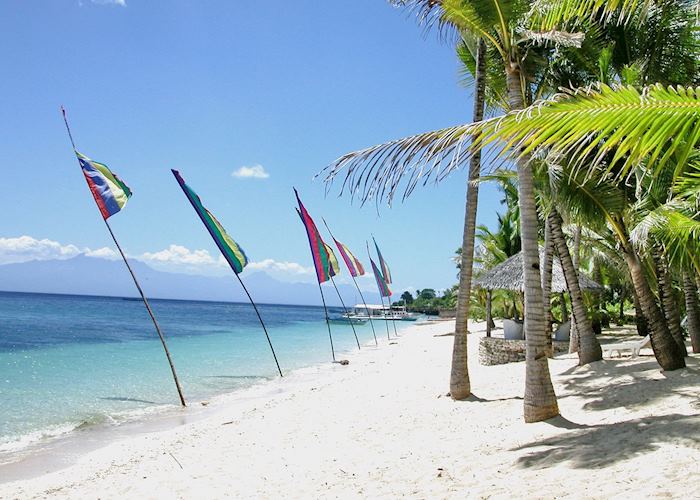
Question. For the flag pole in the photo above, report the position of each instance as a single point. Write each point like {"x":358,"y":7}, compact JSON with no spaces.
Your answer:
{"x":346,"y":311}
{"x":328,"y":323}
{"x":388,"y":299}
{"x":381,"y":297}
{"x":393,"y":320}
{"x":369,"y":315}
{"x":261,"y":322}
{"x":182,"y":184}
{"x":136,"y":282}
{"x":150,"y":313}
{"x":318,"y":275}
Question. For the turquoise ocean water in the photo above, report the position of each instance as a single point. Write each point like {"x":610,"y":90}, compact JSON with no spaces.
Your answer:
{"x":67,"y":362}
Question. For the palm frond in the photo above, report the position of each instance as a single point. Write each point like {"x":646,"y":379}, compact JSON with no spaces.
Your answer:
{"x":677,"y":226}
{"x":614,"y":126}
{"x":620,"y":126}
{"x":377,"y":172}
{"x":547,"y":15}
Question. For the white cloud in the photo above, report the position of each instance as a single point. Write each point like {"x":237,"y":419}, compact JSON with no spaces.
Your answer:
{"x":180,"y":259}
{"x":121,"y":3}
{"x":174,"y":258}
{"x":293,"y":268}
{"x":26,"y":248}
{"x":252,"y":172}
{"x":102,"y":253}
{"x":179,"y":255}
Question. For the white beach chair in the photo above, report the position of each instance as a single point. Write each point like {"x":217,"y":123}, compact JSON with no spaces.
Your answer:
{"x":632,"y":346}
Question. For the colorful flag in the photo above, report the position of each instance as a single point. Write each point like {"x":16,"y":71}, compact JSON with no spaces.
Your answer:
{"x":109,"y":191}
{"x":385,"y":268}
{"x":381,"y":283}
{"x":325,"y":263}
{"x":353,"y":263}
{"x":334,"y":267}
{"x":232,"y":252}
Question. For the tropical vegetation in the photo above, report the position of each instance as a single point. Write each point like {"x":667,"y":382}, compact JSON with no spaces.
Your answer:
{"x":596,"y":113}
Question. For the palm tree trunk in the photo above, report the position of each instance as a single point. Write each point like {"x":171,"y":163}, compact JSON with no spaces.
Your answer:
{"x":639,"y":320}
{"x":574,"y":335}
{"x":692,"y":309}
{"x":666,"y":349}
{"x":588,"y":348}
{"x":547,"y":265}
{"x":460,"y":387}
{"x":668,"y":303}
{"x":540,"y":402}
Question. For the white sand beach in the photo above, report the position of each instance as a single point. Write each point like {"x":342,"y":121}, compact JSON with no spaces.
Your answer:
{"x":383,"y":427}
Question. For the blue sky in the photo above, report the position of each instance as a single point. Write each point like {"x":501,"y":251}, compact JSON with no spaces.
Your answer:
{"x":209,"y":87}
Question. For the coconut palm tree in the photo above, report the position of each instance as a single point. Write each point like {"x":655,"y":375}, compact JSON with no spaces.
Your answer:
{"x":495,"y":22}
{"x":588,"y":347}
{"x":378,"y":171}
{"x":460,"y":386}
{"x":617,"y":131}
{"x":546,"y":186}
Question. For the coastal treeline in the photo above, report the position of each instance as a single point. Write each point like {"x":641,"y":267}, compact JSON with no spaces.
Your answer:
{"x":593,"y":131}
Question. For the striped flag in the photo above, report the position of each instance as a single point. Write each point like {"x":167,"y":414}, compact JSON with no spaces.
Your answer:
{"x":109,"y":191}
{"x":385,"y":268}
{"x":325,"y":262}
{"x":353,"y":263}
{"x":232,"y":252}
{"x":334,"y":267}
{"x":381,"y":283}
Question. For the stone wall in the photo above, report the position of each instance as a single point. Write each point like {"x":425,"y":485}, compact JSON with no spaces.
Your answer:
{"x":497,"y":351}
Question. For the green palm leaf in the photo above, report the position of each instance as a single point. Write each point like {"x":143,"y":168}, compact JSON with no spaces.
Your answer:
{"x":552,"y":14}
{"x":621,"y":126}
{"x":617,"y":126}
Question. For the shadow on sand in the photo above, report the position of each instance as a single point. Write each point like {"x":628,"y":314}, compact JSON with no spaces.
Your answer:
{"x":628,"y":384}
{"x":600,"y":385}
{"x":602,"y":445}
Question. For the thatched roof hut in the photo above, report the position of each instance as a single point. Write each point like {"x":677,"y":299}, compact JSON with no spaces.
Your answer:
{"x":508,"y":275}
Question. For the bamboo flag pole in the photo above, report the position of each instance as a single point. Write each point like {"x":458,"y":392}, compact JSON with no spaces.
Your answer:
{"x":267,"y":335}
{"x":136,"y":282}
{"x":388,"y":299}
{"x":328,"y":323}
{"x":226,"y":246}
{"x":347,"y":313}
{"x":323,"y":299}
{"x":369,"y":315}
{"x":381,"y":297}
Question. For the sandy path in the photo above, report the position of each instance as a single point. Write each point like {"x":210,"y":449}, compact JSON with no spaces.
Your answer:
{"x":383,"y":427}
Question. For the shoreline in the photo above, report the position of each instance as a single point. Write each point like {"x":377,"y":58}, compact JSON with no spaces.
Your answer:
{"x":383,"y":426}
{"x":60,"y":451}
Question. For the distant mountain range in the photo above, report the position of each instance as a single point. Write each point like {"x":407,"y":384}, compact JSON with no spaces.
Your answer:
{"x":84,"y":275}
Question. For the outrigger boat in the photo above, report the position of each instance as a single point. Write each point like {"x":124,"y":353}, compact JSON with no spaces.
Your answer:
{"x":379,"y":312}
{"x":346,"y":319}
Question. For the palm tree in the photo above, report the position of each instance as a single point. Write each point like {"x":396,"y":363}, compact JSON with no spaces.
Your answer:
{"x":589,"y":349}
{"x":548,"y":194}
{"x":460,"y":386}
{"x":660,"y":139}
{"x":378,"y":171}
